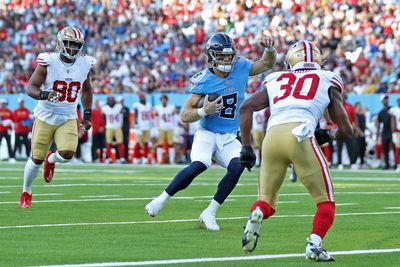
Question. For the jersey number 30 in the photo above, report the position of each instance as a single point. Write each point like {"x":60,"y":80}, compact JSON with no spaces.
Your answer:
{"x":304,"y":88}
{"x":68,"y":91}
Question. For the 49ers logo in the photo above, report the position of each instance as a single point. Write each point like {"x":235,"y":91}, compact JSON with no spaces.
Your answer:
{"x":68,"y":92}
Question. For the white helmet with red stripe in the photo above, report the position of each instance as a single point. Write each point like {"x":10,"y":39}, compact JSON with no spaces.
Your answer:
{"x":304,"y":55}
{"x":70,"y":42}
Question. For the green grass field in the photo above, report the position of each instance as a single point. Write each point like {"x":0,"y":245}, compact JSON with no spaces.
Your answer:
{"x":94,"y":215}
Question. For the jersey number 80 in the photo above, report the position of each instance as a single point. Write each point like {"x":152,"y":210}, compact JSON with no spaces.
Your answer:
{"x":68,"y":92}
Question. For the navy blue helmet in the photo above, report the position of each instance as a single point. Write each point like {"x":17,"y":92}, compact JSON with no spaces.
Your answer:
{"x":221,"y":44}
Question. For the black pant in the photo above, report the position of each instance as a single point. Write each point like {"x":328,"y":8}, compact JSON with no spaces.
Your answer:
{"x":386,"y":142}
{"x":98,"y":142}
{"x":22,"y":139}
{"x":126,"y":144}
{"x":351,"y":149}
{"x":7,"y":136}
{"x":361,"y":148}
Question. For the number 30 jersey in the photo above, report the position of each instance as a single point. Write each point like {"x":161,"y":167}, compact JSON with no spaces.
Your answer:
{"x":300,"y":95}
{"x":65,"y":78}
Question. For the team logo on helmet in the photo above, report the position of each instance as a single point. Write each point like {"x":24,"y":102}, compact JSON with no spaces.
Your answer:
{"x":70,"y":42}
{"x":303,"y":52}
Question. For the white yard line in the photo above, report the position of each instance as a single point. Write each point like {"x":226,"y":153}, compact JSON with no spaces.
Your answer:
{"x":186,"y":220}
{"x":221,"y":259}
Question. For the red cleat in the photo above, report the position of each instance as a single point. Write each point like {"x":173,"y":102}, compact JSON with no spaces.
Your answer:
{"x":25,"y":200}
{"x":48,"y":168}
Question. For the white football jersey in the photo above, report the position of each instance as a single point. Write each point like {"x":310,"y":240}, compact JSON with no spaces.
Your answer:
{"x":144,"y":115}
{"x":165,"y":117}
{"x":300,"y":95}
{"x":114,"y":116}
{"x":395,"y":111}
{"x":259,"y":120}
{"x":66,"y":79}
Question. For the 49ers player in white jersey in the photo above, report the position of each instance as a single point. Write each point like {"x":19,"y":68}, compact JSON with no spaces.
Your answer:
{"x":395,"y":111}
{"x":297,"y":100}
{"x":57,"y":81}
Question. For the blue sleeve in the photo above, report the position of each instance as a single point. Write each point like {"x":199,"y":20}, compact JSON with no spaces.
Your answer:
{"x":197,"y":82}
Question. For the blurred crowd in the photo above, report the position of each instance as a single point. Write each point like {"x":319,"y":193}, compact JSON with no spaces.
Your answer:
{"x":148,"y":46}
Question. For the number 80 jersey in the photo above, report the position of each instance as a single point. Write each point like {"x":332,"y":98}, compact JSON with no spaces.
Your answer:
{"x":300,"y":95}
{"x":65,"y":78}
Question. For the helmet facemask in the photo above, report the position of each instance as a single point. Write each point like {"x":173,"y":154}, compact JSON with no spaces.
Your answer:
{"x":223,"y":61}
{"x":70,"y":42}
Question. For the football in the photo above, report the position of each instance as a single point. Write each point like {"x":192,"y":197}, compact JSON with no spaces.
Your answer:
{"x":211,"y":98}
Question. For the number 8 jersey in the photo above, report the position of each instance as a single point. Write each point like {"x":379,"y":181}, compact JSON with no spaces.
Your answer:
{"x":65,"y":78}
{"x":300,"y":95}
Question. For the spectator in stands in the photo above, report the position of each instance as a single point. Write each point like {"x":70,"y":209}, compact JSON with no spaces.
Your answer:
{"x":388,"y":126}
{"x":6,"y":124}
{"x":23,"y":125}
{"x":98,"y":133}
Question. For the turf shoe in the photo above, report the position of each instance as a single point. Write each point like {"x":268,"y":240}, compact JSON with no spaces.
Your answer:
{"x":48,"y":168}
{"x":252,"y":231}
{"x":208,"y":219}
{"x":317,"y":253}
{"x":154,"y":207}
{"x":25,"y":200}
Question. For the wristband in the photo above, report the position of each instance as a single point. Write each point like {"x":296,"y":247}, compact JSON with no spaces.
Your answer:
{"x":201,"y":112}
{"x":87,"y":114}
{"x":43,"y":95}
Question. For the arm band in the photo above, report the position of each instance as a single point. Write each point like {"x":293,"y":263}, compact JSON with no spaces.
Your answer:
{"x":43,"y":95}
{"x":201,"y":112}
{"x":87,"y":114}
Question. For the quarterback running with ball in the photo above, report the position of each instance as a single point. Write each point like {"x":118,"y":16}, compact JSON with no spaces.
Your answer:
{"x":57,"y":81}
{"x":219,"y":120}
{"x":297,"y":99}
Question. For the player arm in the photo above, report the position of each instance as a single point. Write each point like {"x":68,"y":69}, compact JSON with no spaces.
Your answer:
{"x":87,"y":99}
{"x":338,"y":115}
{"x":266,"y":62}
{"x":256,"y":102}
{"x":35,"y":82}
{"x":192,"y":113}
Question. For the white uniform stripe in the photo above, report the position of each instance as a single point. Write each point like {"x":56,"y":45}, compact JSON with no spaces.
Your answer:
{"x":325,"y":169}
{"x":308,"y":51}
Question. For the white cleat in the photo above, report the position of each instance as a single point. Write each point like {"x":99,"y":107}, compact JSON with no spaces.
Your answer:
{"x":252,"y":231}
{"x":209,"y":221}
{"x":154,"y":207}
{"x":317,"y":253}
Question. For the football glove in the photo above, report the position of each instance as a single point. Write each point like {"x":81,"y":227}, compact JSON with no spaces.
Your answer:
{"x":247,"y":157}
{"x":324,"y":136}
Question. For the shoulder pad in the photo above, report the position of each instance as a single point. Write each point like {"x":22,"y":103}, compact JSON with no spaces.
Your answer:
{"x":44,"y":59}
{"x":336,"y":80}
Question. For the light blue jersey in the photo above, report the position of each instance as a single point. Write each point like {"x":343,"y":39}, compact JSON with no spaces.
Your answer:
{"x":231,"y":89}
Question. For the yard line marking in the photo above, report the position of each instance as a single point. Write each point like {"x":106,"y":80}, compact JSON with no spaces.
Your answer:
{"x":188,"y":197}
{"x":185,"y":220}
{"x":100,"y":196}
{"x":221,"y":259}
{"x":392,"y":208}
{"x":347,"y":204}
{"x":365,"y":179}
{"x":49,"y":194}
{"x":5,"y":192}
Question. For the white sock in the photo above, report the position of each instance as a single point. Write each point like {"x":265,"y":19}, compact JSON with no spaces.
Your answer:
{"x":213,"y":207}
{"x":171,"y":152}
{"x":159,"y":152}
{"x":30,"y":174}
{"x":316,"y":239}
{"x":257,"y":152}
{"x":56,"y":157}
{"x":164,"y":196}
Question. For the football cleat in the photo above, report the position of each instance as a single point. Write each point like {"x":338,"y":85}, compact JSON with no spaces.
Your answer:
{"x":25,"y":200}
{"x":252,"y":231}
{"x":154,"y":207}
{"x":48,"y":168}
{"x":317,"y":253}
{"x":209,"y":221}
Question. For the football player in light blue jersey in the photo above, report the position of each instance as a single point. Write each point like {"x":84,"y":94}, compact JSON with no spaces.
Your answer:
{"x":219,"y":120}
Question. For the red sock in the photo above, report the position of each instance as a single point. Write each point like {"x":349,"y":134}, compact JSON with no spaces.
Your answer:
{"x":397,"y":150}
{"x":378,"y":148}
{"x":121,"y":150}
{"x":323,"y":218}
{"x":108,"y":151}
{"x":327,"y":153}
{"x":266,"y":209}
{"x":146,"y":150}
{"x":136,"y":152}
